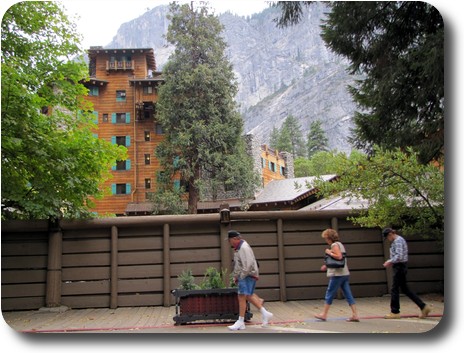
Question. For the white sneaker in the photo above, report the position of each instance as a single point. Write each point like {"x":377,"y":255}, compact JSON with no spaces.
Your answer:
{"x":237,"y":326}
{"x":266,"y":317}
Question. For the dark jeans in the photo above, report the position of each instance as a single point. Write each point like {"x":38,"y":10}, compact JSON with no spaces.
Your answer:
{"x":400,"y":271}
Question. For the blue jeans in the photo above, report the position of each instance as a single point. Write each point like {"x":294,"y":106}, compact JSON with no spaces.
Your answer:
{"x":336,"y":282}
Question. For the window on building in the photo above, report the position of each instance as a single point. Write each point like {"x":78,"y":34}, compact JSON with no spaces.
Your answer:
{"x":120,"y":118}
{"x":123,"y":165}
{"x":148,"y":183}
{"x":121,"y":140}
{"x":147,"y":158}
{"x":159,"y":129}
{"x":105,"y":118}
{"x":147,"y":90}
{"x":272,"y":166}
{"x":93,"y":91}
{"x":121,"y":96}
{"x":121,"y":189}
{"x":147,"y":135}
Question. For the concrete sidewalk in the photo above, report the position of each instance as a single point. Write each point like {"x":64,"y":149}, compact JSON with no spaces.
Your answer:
{"x":289,"y":317}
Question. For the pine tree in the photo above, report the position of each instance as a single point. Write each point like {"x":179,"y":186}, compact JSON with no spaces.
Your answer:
{"x":398,"y":46}
{"x":197,"y":109}
{"x":317,"y":140}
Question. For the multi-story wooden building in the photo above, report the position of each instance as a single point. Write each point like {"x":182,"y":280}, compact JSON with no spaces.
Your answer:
{"x":123,"y":89}
{"x":273,"y":165}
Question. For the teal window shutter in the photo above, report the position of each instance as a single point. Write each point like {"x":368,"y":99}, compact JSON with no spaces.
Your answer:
{"x":113,"y":189}
{"x":113,"y":168}
{"x":127,"y":118}
{"x":128,"y":188}
{"x":128,"y":164}
{"x":96,"y":117}
{"x":113,"y":140}
{"x":113,"y":118}
{"x":177,"y":184}
{"x":127,"y":141}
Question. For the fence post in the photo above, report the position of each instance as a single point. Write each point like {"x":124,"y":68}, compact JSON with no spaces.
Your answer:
{"x":114,"y":268}
{"x":224,"y":226}
{"x":226,"y":258}
{"x":334,"y":223}
{"x":166,"y":266}
{"x":54,"y":266}
{"x":281,"y":252}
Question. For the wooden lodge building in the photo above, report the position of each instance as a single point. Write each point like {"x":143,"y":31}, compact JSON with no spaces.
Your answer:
{"x":123,"y":88}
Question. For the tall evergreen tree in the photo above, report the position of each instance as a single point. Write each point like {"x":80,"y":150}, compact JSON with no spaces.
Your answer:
{"x":317,"y":140}
{"x":197,"y":109}
{"x":289,"y":138}
{"x":274,"y":138}
{"x":399,"y":47}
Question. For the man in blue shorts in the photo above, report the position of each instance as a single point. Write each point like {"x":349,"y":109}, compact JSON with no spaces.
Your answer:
{"x":246,"y":273}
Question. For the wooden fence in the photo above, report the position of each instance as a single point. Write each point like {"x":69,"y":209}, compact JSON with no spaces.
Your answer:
{"x":135,"y":261}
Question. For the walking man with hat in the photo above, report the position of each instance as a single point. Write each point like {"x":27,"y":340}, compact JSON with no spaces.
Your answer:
{"x":245,"y":273}
{"x":399,"y":262}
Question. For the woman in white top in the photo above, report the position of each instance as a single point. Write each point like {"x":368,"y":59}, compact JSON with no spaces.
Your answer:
{"x":338,"y":277}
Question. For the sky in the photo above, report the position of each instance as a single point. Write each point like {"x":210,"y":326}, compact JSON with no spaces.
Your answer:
{"x":112,"y":13}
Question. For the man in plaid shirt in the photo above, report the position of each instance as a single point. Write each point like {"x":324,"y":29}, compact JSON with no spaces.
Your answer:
{"x":399,"y":262}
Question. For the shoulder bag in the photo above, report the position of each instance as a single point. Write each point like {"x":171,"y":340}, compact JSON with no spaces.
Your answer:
{"x":330,"y":262}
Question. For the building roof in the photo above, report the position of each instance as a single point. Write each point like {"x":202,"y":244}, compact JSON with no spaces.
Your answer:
{"x":139,"y":207}
{"x":337,"y":203}
{"x":149,"y":53}
{"x":288,"y":190}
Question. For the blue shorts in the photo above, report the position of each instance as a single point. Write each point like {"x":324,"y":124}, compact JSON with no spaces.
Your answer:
{"x":246,"y":286}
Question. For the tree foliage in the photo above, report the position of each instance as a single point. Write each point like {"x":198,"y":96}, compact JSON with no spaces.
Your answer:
{"x":288,"y":138}
{"x":51,"y":162}
{"x":197,"y":109}
{"x":398,"y":46}
{"x":400,"y":190}
{"x":317,"y":140}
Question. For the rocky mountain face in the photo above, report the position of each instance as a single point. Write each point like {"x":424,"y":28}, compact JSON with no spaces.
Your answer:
{"x":280,"y":72}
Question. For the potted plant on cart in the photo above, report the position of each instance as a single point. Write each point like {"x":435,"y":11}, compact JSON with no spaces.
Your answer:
{"x":214,"y":299}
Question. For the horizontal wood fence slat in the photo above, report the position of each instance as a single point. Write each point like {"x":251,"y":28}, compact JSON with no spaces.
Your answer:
{"x":135,"y":261}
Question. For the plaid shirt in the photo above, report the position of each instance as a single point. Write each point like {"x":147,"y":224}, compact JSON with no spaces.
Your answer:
{"x":398,"y":250}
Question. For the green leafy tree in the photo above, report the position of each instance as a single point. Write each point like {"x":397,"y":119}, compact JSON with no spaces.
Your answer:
{"x":322,"y":162}
{"x":197,"y":109}
{"x":316,"y":140}
{"x":51,"y":163}
{"x":400,"y":190}
{"x":302,"y":167}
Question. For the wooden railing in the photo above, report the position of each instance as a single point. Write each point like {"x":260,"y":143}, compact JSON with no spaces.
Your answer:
{"x":119,"y":65}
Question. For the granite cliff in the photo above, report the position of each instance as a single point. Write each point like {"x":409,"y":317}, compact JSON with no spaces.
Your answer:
{"x":280,"y":72}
